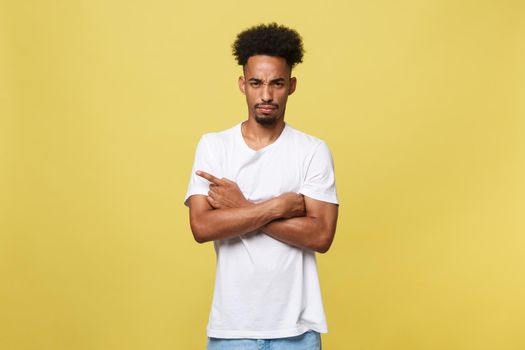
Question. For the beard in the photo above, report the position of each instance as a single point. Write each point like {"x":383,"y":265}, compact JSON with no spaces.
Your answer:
{"x":268,"y":120}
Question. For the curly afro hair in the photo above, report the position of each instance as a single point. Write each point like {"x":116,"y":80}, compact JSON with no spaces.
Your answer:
{"x":269,"y":39}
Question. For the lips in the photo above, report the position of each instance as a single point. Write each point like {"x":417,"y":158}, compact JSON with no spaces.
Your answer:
{"x":265,"y":108}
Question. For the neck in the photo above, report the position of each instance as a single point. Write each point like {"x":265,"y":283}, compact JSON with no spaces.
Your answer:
{"x":258,"y":136}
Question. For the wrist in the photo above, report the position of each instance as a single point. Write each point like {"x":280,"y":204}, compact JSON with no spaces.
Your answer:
{"x":277,"y":207}
{"x":247,"y":203}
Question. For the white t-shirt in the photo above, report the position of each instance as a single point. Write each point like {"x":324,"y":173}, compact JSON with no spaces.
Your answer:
{"x":265,"y":288}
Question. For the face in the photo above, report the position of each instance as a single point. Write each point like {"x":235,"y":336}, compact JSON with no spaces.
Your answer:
{"x":267,"y":82}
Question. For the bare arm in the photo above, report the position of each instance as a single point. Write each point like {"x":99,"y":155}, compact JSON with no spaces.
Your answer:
{"x":208,"y":224}
{"x":314,"y":231}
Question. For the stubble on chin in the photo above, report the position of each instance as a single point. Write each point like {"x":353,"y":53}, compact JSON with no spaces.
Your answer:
{"x":270,"y":120}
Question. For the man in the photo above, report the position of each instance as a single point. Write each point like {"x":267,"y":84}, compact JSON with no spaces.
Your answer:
{"x":264,"y":193}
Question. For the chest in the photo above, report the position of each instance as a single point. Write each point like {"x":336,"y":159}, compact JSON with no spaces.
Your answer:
{"x":261,"y":176}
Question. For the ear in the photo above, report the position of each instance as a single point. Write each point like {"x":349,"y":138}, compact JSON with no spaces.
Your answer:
{"x":293,"y":84}
{"x":241,"y":85}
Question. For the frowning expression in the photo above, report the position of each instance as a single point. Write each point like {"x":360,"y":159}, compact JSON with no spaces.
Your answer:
{"x":267,"y":82}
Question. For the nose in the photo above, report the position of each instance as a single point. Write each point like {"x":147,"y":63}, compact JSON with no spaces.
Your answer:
{"x":266,"y":93}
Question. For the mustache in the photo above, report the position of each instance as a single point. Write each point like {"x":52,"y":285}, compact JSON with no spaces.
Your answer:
{"x":257,"y":105}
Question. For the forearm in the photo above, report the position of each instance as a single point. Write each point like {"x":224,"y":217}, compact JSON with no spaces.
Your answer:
{"x":226,"y":223}
{"x":303,"y":232}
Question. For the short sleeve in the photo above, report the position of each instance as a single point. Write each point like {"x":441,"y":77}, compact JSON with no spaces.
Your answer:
{"x":202,"y":161}
{"x":319,"y":180}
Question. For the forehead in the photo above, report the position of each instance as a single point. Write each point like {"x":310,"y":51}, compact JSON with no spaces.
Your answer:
{"x":264,"y":66}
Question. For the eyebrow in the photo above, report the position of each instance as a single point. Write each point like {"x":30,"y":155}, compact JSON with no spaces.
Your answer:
{"x":277,"y":80}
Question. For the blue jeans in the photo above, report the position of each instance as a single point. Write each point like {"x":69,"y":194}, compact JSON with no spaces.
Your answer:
{"x":310,"y":340}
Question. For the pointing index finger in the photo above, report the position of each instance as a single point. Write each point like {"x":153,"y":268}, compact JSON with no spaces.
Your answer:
{"x":208,"y":177}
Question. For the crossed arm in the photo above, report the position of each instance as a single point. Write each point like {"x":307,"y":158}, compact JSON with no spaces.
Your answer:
{"x":291,"y":217}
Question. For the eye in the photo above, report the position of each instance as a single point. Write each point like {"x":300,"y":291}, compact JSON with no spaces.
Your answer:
{"x":278,"y":84}
{"x":255,"y":83}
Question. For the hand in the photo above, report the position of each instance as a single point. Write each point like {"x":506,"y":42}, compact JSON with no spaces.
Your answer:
{"x":223,"y":193}
{"x":292,"y":204}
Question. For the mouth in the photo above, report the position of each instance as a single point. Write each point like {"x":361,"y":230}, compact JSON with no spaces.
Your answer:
{"x":266,"y":108}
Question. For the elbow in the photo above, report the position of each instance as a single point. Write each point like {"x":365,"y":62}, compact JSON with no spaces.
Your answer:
{"x":199,"y":238}
{"x":322,"y":248}
{"x":324,"y":242}
{"x":198,"y":232}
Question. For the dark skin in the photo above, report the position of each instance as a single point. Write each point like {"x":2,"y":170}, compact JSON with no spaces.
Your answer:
{"x":291,"y":217}
{"x":308,"y":224}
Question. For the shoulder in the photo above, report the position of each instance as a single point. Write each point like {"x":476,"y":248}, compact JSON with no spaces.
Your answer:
{"x":305,"y":141}
{"x":216,"y":139}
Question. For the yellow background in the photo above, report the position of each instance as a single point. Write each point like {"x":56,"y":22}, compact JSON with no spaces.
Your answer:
{"x":102,"y":104}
